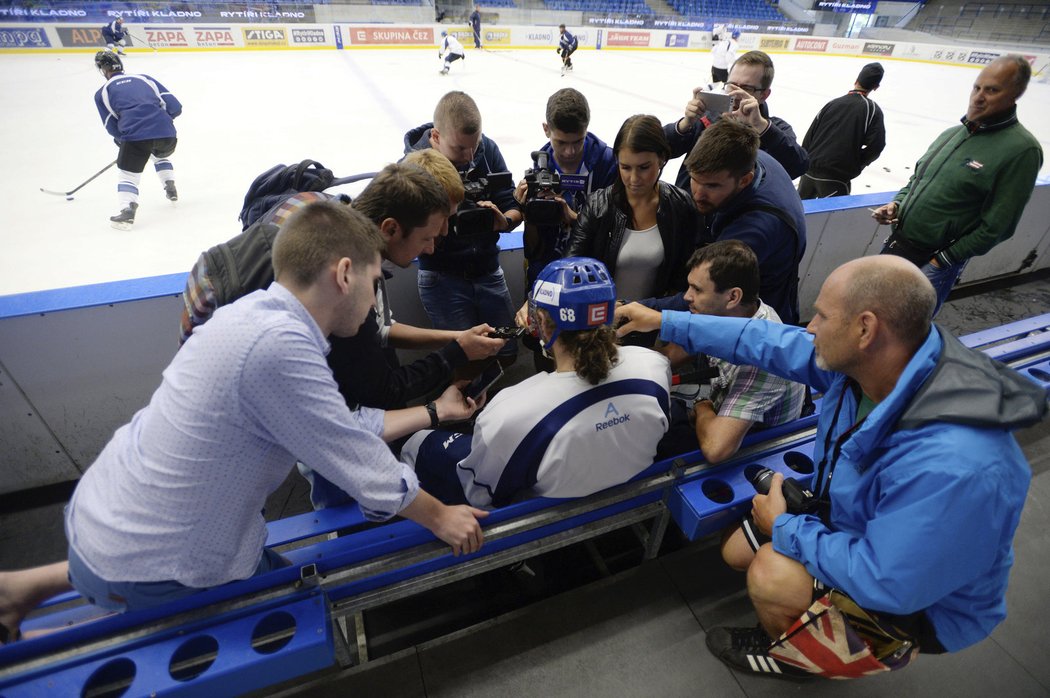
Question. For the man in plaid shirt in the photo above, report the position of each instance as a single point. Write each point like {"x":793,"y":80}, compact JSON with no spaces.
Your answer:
{"x":723,"y":281}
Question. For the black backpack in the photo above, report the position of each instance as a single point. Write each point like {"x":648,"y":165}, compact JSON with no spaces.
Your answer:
{"x":276,"y":184}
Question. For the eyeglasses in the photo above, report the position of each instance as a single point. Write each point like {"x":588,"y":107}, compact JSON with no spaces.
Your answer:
{"x":750,"y":89}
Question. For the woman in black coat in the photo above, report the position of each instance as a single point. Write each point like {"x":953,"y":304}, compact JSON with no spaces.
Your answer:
{"x":641,"y":228}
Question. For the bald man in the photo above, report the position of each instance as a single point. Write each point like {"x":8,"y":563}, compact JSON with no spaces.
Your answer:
{"x":968,"y":191}
{"x":928,"y":481}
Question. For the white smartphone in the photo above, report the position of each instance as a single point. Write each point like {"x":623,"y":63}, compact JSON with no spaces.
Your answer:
{"x":717,"y":102}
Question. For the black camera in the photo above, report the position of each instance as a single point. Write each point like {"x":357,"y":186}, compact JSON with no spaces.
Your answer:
{"x":540,"y":206}
{"x":799,"y":499}
{"x":471,"y":219}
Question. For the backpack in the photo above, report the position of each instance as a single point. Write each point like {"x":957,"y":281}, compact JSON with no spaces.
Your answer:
{"x":278,"y":183}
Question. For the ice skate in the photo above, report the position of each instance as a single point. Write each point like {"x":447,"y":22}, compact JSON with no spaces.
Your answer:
{"x":170,"y":191}
{"x":444,"y":71}
{"x":125,"y":219}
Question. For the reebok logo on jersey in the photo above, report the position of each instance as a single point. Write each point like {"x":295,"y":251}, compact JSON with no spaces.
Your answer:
{"x":610,"y":409}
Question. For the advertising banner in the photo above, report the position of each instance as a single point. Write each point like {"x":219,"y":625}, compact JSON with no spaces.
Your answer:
{"x":676,"y":40}
{"x":845,"y":46}
{"x":408,"y":36}
{"x":813,"y":45}
{"x":24,"y":37}
{"x":153,"y":12}
{"x":773,"y":44}
{"x":268,"y":37}
{"x":314,"y":36}
{"x":622,"y":38}
{"x":83,"y":37}
{"x":214,"y":37}
{"x":982,"y":57}
{"x":499,"y":37}
{"x":859,"y":6}
{"x":166,"y":37}
{"x":877,"y":48}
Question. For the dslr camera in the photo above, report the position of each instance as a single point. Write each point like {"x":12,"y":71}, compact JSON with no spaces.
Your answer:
{"x":471,"y":219}
{"x":543,"y":185}
{"x":799,"y":499}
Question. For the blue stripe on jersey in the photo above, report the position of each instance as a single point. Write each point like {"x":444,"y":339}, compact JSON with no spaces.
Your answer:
{"x":520,"y":473}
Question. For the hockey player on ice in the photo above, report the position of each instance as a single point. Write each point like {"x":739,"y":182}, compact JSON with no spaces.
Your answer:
{"x":138,"y":112}
{"x":451,"y":49}
{"x":114,"y":34}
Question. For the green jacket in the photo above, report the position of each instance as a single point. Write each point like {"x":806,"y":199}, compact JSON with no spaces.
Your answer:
{"x":968,"y":191}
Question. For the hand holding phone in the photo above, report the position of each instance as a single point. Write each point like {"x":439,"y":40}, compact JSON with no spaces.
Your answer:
{"x":484,"y":380}
{"x":507,"y":332}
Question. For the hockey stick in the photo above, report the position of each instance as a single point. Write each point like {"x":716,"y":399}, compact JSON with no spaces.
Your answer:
{"x":84,"y":184}
{"x":141,"y":41}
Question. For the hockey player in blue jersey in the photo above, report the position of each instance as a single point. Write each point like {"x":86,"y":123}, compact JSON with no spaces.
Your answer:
{"x":567,"y":45}
{"x":138,"y":112}
{"x":114,"y":34}
{"x":451,"y":49}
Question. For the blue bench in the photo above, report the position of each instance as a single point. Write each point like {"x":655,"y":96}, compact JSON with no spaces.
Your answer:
{"x":275,"y":627}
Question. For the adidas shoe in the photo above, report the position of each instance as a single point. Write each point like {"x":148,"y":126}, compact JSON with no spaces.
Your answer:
{"x":170,"y":191}
{"x":747,"y":650}
{"x":125,"y":219}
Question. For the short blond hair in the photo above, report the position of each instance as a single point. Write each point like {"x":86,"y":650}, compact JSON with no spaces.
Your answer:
{"x":441,"y":169}
{"x":458,"y":112}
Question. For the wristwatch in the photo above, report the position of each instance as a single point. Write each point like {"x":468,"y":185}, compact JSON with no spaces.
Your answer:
{"x":432,"y":410}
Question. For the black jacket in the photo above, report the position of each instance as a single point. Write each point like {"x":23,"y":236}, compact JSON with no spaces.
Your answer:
{"x":601,"y":226}
{"x":845,"y":137}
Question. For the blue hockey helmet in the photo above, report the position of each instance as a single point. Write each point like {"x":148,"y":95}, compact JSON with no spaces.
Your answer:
{"x":736,"y":34}
{"x":444,"y":32}
{"x":577,"y":292}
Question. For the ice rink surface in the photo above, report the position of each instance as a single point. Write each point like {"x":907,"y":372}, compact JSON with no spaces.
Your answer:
{"x":246,"y":111}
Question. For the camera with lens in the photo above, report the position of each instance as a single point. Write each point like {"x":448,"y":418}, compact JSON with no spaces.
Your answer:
{"x":799,"y":499}
{"x":471,"y":219}
{"x":543,"y":186}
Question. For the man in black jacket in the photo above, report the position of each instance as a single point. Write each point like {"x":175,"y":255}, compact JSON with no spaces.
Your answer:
{"x":750,"y":80}
{"x":845,"y":137}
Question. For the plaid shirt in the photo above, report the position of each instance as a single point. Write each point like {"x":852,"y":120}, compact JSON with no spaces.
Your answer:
{"x":746,"y":392}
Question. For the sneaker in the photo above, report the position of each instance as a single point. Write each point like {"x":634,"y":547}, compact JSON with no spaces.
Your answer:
{"x":170,"y":191}
{"x":125,"y":219}
{"x":747,"y":650}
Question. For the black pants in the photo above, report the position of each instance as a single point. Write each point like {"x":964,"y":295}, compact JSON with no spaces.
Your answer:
{"x":719,"y":74}
{"x":812,"y":187}
{"x":134,"y":155}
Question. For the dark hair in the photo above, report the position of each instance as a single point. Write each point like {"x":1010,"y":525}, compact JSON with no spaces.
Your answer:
{"x":1024,"y":71}
{"x":733,"y":265}
{"x":641,"y":133}
{"x":593,"y":352}
{"x":320,"y":233}
{"x":568,"y":111}
{"x":725,"y":145}
{"x":760,"y":58}
{"x":406,"y":193}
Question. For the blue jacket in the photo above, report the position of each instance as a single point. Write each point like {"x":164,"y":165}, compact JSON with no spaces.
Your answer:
{"x":927,"y":492}
{"x":568,"y":42}
{"x":544,"y":244}
{"x":112,"y":33}
{"x":474,"y":254}
{"x":779,"y":251}
{"x":137,"y":108}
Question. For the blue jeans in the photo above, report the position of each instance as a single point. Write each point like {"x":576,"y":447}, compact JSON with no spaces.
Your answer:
{"x":457,"y":303}
{"x":943,"y":279}
{"x":133,"y":596}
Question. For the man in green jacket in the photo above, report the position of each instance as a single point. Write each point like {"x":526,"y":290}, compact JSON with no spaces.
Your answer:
{"x":968,"y":191}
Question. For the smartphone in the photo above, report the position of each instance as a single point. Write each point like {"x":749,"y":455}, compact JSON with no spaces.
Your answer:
{"x":717,"y":102}
{"x":489,"y":375}
{"x":507,"y":332}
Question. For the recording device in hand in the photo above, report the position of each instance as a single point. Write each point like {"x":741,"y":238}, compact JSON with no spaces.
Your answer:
{"x":717,"y":102}
{"x":484,"y":380}
{"x":507,"y":332}
{"x":799,"y":499}
{"x":543,"y":186}
{"x":471,"y":219}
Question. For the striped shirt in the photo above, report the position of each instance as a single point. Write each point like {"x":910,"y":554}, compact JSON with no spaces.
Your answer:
{"x":746,"y":392}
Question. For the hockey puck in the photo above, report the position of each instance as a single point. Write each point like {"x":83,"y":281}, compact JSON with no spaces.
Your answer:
{"x":69,"y":198}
